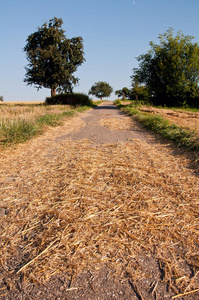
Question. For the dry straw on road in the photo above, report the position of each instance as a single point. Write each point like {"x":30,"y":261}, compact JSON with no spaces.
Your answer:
{"x":116,"y":124}
{"x":74,"y":205}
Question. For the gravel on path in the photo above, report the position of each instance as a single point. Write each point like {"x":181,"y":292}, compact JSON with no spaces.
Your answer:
{"x":99,"y":134}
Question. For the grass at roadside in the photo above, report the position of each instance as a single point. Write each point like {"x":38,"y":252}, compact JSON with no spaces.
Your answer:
{"x":180,"y":136}
{"x":20,"y":123}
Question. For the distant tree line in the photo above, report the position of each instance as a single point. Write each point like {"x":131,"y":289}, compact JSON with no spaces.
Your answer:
{"x":137,"y":92}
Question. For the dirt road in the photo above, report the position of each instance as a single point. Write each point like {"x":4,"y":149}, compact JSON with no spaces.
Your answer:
{"x":105,"y":125}
{"x":98,"y":209}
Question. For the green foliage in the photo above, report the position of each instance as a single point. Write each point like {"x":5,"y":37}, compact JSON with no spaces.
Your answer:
{"x":137,"y":92}
{"x":70,"y":99}
{"x":117,"y":102}
{"x":180,"y":136}
{"x":53,"y":58}
{"x":124,"y":93}
{"x":170,"y":70}
{"x":171,"y":132}
{"x":19,"y":131}
{"x":48,"y":119}
{"x":140,"y":93}
{"x":101,"y":90}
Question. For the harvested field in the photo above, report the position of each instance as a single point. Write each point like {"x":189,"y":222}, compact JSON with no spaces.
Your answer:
{"x":28,"y":112}
{"x":21,"y":102}
{"x":187,"y":120}
{"x":19,"y":123}
{"x":74,"y":206}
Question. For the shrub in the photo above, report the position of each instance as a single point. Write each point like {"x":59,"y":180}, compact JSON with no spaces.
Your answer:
{"x":70,"y":99}
{"x":117,"y":102}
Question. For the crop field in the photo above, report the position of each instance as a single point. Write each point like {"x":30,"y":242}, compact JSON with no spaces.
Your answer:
{"x":10,"y":113}
{"x":185,"y":119}
{"x":19,"y":121}
{"x":21,"y":102}
{"x":14,"y":111}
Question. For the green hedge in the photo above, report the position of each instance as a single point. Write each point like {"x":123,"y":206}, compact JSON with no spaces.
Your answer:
{"x":70,"y":99}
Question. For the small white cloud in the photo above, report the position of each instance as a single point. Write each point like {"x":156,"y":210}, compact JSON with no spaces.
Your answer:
{"x":134,"y":2}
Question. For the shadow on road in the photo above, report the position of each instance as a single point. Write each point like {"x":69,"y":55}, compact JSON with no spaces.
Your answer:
{"x":106,"y":107}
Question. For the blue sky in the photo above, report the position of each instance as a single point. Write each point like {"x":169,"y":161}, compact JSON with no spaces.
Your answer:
{"x":115,"y":32}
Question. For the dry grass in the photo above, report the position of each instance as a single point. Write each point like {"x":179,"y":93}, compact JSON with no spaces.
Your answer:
{"x":71,"y":205}
{"x":21,"y":102}
{"x":187,"y":120}
{"x":12,"y":112}
{"x":116,"y":124}
{"x":19,"y":123}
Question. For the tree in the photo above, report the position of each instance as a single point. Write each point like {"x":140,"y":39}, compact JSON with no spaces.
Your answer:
{"x":101,"y":89}
{"x":138,"y":92}
{"x":124,"y":93}
{"x":170,"y":70}
{"x":53,"y":58}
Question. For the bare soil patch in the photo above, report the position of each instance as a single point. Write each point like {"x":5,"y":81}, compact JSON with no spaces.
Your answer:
{"x":86,"y":220}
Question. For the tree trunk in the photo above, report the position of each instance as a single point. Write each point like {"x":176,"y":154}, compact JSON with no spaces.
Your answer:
{"x":136,"y":99}
{"x":53,"y":92}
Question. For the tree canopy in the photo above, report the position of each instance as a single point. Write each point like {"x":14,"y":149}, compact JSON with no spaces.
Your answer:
{"x":138,"y":91}
{"x":124,"y":93}
{"x":53,"y":58}
{"x":101,"y":90}
{"x":170,"y":69}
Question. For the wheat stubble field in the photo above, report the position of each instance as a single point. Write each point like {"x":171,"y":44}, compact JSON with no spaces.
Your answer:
{"x":185,"y":119}
{"x":103,"y":213}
